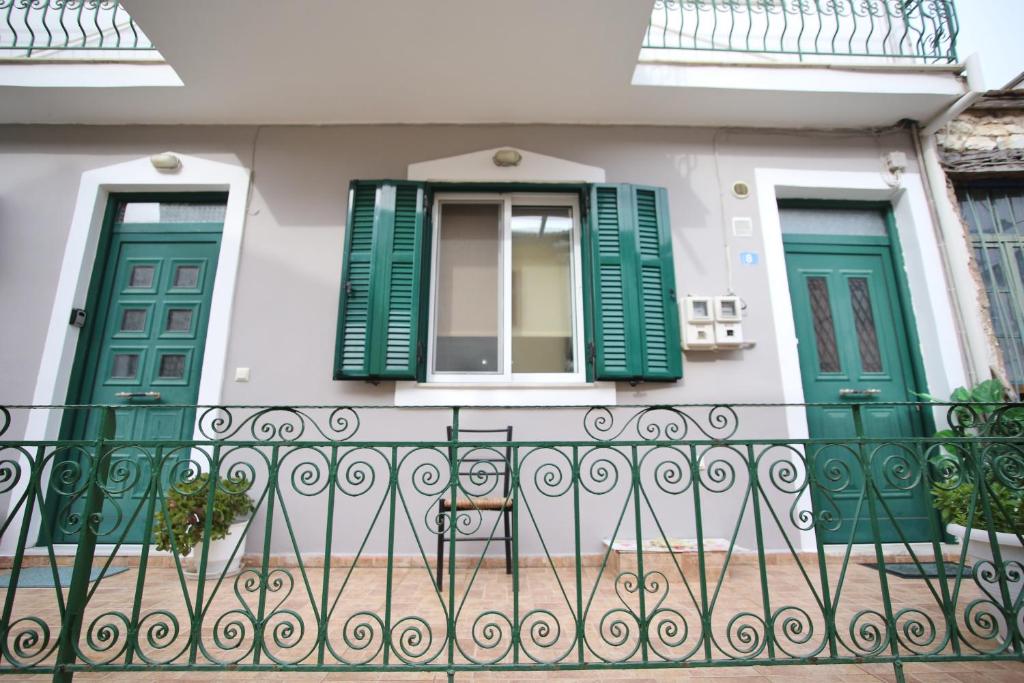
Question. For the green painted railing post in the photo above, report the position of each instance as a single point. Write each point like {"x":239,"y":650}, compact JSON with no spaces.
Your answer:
{"x":392,"y":495}
{"x":147,"y":537}
{"x":513,"y":493}
{"x":948,"y":602}
{"x":580,"y":632}
{"x":870,"y":493}
{"x":755,"y":499}
{"x":982,"y":489}
{"x":260,"y":635}
{"x":453,"y":491}
{"x":638,"y":525}
{"x":827,"y":610}
{"x":92,"y":515}
{"x":325,"y":594}
{"x":702,"y":576}
{"x":34,"y":485}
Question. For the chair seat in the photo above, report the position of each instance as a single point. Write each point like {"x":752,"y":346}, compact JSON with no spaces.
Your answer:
{"x":477,"y":504}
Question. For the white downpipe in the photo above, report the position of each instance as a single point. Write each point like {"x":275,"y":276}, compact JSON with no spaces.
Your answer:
{"x":979,"y":353}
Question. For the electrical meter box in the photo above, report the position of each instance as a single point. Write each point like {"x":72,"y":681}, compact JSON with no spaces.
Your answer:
{"x":700,"y":323}
{"x":728,"y":321}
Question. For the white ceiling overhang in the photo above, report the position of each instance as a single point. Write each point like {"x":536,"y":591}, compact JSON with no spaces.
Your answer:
{"x":450,"y":61}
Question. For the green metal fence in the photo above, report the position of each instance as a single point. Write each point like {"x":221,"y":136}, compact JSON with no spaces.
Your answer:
{"x":647,"y":537}
{"x":33,"y":27}
{"x":918,"y":30}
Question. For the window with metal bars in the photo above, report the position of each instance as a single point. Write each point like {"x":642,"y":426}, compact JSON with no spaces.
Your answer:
{"x":994,"y":214}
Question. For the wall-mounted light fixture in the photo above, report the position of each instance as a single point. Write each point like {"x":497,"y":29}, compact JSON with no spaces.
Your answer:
{"x":507,"y":157}
{"x":740,"y":189}
{"x":165,"y":162}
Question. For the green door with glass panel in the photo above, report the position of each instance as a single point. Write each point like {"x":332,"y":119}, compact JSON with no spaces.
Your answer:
{"x":854,"y":349}
{"x":145,"y":338}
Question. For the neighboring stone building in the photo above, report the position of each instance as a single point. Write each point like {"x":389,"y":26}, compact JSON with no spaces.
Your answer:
{"x":983,"y":156}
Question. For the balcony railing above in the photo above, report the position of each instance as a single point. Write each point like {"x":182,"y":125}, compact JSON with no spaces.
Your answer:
{"x":915,"y":31}
{"x":36,"y":28}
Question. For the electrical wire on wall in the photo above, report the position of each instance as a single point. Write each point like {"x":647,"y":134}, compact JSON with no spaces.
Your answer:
{"x":727,"y":247}
{"x":252,"y":170}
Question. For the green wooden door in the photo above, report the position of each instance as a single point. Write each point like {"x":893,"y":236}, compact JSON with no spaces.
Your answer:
{"x":853,"y":349}
{"x":146,"y":335}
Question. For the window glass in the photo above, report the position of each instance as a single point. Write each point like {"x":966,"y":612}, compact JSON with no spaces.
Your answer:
{"x":186,"y":277}
{"x":824,"y":328}
{"x":467,"y":305}
{"x":541,"y":289}
{"x":864,"y":322}
{"x":141,"y":277}
{"x":170,"y":212}
{"x":125,"y":366}
{"x":179,"y":320}
{"x":994,"y":215}
{"x":172,"y":366}
{"x":832,"y":221}
{"x":133,"y":320}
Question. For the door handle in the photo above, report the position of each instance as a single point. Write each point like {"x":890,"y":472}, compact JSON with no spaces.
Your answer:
{"x":849,"y":393}
{"x":138,"y":394}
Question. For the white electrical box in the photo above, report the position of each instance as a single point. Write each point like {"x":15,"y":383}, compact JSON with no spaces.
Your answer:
{"x":728,"y":321}
{"x":700,"y":323}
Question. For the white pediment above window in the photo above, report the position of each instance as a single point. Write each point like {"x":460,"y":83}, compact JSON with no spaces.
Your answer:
{"x":480,"y":167}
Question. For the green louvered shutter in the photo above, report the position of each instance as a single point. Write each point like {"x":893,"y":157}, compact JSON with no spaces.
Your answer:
{"x":379,"y":316}
{"x":635,"y":314}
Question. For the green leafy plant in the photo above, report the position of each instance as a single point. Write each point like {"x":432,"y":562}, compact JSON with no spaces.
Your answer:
{"x":186,"y":512}
{"x":988,"y":415}
{"x":1007,"y":507}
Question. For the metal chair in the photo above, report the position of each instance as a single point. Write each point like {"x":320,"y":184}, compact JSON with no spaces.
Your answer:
{"x":502,"y":505}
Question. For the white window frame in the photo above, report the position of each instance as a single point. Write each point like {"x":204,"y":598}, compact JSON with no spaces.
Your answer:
{"x":506,"y":376}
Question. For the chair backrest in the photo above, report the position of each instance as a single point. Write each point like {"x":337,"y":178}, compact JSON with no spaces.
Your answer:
{"x":486,"y":462}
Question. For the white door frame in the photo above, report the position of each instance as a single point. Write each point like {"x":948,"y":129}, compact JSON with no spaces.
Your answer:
{"x":193,"y":175}
{"x":929,"y":299}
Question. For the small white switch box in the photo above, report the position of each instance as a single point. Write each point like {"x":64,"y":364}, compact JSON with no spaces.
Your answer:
{"x":728,"y":321}
{"x":742,"y":226}
{"x":727,"y":309}
{"x":241,"y":374}
{"x":699,"y":332}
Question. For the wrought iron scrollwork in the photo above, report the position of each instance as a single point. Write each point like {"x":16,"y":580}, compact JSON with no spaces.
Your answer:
{"x":662,"y":423}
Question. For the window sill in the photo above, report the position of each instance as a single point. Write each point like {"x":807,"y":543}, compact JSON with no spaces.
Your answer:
{"x":524,"y":394}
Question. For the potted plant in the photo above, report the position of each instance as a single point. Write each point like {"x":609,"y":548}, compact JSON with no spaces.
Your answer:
{"x":954,"y":493}
{"x":185,"y":521}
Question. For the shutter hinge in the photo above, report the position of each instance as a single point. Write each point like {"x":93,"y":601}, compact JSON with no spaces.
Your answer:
{"x":348,"y":288}
{"x":591,"y":352}
{"x":419,"y":352}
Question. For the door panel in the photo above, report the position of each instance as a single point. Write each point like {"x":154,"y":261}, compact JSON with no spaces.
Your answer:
{"x":145,"y":352}
{"x":853,"y":350}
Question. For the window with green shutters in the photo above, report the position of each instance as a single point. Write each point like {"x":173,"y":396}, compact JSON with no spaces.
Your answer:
{"x":623,"y":264}
{"x":635,"y":316}
{"x":380,"y":316}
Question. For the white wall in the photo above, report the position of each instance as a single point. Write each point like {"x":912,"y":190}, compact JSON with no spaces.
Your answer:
{"x":285,"y":310}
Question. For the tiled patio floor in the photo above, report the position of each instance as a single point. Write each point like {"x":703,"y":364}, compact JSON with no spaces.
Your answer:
{"x":546,"y":596}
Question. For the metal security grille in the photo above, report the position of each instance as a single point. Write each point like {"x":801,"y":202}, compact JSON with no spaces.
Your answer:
{"x":995,"y":219}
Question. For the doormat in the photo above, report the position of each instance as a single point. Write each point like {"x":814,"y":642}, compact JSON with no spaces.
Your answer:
{"x":42,"y":577}
{"x":909,"y":570}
